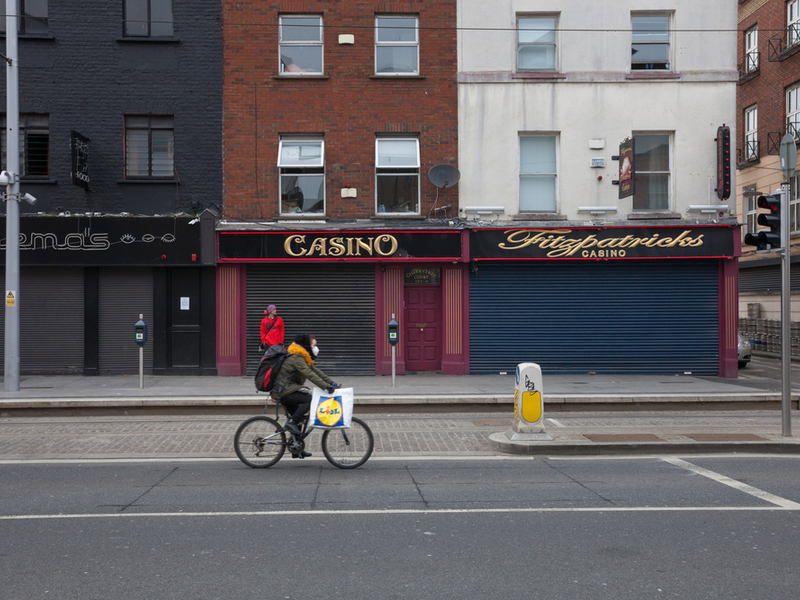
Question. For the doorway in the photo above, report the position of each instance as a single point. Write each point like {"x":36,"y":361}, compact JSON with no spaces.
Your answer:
{"x":422,"y":328}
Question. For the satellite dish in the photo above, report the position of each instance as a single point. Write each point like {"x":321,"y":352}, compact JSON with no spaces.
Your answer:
{"x":444,"y":176}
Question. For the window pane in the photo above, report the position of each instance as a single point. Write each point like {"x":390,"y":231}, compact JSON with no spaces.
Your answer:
{"x":300,"y":154}
{"x":301,"y":29}
{"x":136,"y":153}
{"x":396,"y":59}
{"x":537,"y":57}
{"x":37,"y":159}
{"x":537,"y":154}
{"x":136,"y":17}
{"x":652,"y":153}
{"x":537,"y":193}
{"x":299,"y":59}
{"x":396,"y":29}
{"x":35,"y":20}
{"x":397,"y":153}
{"x":651,"y":191}
{"x":302,"y":193}
{"x":537,"y":31}
{"x":161,"y":18}
{"x":650,"y":53}
{"x":163,"y":151}
{"x":398,"y":193}
{"x":651,"y":29}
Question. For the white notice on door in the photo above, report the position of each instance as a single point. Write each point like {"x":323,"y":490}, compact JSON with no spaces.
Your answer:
{"x":184,"y":304}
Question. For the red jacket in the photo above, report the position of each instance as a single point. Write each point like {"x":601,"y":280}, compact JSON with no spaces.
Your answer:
{"x":271,"y":331}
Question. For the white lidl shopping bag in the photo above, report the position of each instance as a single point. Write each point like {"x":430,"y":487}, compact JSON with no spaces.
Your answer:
{"x":331,"y":410}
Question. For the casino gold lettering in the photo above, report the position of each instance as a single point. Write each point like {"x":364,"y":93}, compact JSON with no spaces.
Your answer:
{"x":384,"y":245}
{"x":560,"y":245}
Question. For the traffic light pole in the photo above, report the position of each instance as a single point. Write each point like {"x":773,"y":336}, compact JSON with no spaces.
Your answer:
{"x":786,"y":317}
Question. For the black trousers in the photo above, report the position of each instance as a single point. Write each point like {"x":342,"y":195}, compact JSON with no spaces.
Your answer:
{"x":297,"y":404}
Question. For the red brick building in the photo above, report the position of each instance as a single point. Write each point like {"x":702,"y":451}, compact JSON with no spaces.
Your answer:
{"x":334,"y":114}
{"x":768,"y":107}
{"x":307,"y":70}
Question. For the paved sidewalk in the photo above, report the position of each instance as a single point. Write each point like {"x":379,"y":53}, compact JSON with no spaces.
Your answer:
{"x":412,"y":391}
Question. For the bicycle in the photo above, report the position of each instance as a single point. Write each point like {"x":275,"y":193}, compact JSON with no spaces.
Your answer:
{"x":261,"y":441}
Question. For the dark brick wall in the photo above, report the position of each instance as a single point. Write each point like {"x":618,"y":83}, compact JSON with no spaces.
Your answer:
{"x":349,"y":107}
{"x":768,"y":87}
{"x":86,"y":77}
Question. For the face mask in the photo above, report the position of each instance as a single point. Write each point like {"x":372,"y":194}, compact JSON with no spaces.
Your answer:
{"x":315,"y":350}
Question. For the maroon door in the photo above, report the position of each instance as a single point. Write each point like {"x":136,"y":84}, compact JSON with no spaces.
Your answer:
{"x":422,"y":345}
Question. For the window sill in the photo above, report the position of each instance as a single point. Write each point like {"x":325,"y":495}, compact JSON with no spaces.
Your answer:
{"x":539,"y":76}
{"x":148,"y":181}
{"x":644,"y":215}
{"x":750,"y":162}
{"x":47,"y":37}
{"x":396,"y":76}
{"x":748,"y":76}
{"x":32,"y":181}
{"x":396,"y":216}
{"x":302,"y":76}
{"x":538,"y":217}
{"x":641,"y":75}
{"x":303,"y":217}
{"x":150,"y":40}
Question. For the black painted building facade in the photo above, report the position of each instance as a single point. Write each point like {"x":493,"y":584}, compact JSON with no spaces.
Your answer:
{"x":120,"y":142}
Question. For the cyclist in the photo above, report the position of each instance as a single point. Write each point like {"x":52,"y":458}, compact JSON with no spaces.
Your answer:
{"x":296,"y":369}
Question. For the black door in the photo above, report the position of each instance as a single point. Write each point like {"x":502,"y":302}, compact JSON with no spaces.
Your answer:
{"x":183,"y":319}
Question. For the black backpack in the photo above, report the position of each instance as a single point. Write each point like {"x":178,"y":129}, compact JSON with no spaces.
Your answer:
{"x":269,"y":367}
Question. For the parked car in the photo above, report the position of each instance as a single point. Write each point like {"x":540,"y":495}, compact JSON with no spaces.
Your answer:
{"x":745,"y":351}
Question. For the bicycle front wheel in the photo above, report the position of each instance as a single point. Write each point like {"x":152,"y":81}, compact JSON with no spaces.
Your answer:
{"x":259,"y":442}
{"x":348,"y":448}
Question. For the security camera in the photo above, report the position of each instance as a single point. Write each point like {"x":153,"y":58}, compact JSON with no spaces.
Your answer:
{"x":5,"y":178}
{"x":29,"y":199}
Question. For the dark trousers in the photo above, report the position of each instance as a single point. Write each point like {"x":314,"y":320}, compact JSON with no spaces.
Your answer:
{"x":297,"y":404}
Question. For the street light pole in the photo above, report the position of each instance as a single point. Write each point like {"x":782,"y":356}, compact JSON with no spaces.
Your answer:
{"x":11,"y":378}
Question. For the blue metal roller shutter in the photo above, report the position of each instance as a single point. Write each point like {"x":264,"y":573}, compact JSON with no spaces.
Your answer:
{"x":607,"y":317}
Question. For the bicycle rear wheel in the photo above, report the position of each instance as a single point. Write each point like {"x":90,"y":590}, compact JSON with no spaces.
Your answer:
{"x":259,"y":442}
{"x":348,"y":448}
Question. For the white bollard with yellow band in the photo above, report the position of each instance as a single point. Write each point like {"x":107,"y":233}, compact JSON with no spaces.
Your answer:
{"x":528,"y":405}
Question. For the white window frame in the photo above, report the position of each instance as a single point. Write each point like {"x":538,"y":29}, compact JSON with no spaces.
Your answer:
{"x":793,"y":111}
{"x":384,"y":169}
{"x":653,"y":38}
{"x":396,"y":44}
{"x":751,"y":50}
{"x":792,"y":22}
{"x":639,"y":172}
{"x":751,"y":210}
{"x":290,"y":68}
{"x":794,"y":205}
{"x":313,"y":166}
{"x":751,"y":133}
{"x":550,"y":205}
{"x":524,"y":44}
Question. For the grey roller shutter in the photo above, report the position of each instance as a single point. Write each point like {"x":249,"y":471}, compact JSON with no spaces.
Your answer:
{"x":606,"y":317}
{"x":50,"y":321}
{"x":334,"y":302}
{"x":124,"y":295}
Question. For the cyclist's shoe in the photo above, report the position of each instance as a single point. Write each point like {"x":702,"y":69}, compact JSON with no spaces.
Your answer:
{"x":302,"y":454}
{"x":292,"y":426}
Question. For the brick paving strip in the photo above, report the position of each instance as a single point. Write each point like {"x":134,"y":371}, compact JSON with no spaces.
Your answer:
{"x":395,"y":435}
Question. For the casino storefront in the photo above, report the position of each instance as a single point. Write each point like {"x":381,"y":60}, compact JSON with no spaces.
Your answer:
{"x":646,"y":299}
{"x":344,"y":286}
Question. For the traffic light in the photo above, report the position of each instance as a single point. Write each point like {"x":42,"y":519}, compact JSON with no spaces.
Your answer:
{"x":771,"y":219}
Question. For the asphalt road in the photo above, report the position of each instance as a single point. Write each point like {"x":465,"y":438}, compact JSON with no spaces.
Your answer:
{"x":770,"y":368}
{"x":481,"y":527}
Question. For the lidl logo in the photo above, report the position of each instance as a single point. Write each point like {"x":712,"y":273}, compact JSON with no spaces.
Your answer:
{"x":329,"y":412}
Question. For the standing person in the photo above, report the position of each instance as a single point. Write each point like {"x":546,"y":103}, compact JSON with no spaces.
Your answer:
{"x":296,"y":369}
{"x":271,"y":328}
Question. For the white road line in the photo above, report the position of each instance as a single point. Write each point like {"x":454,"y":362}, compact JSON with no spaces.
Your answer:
{"x":737,"y":485}
{"x":402,"y":511}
